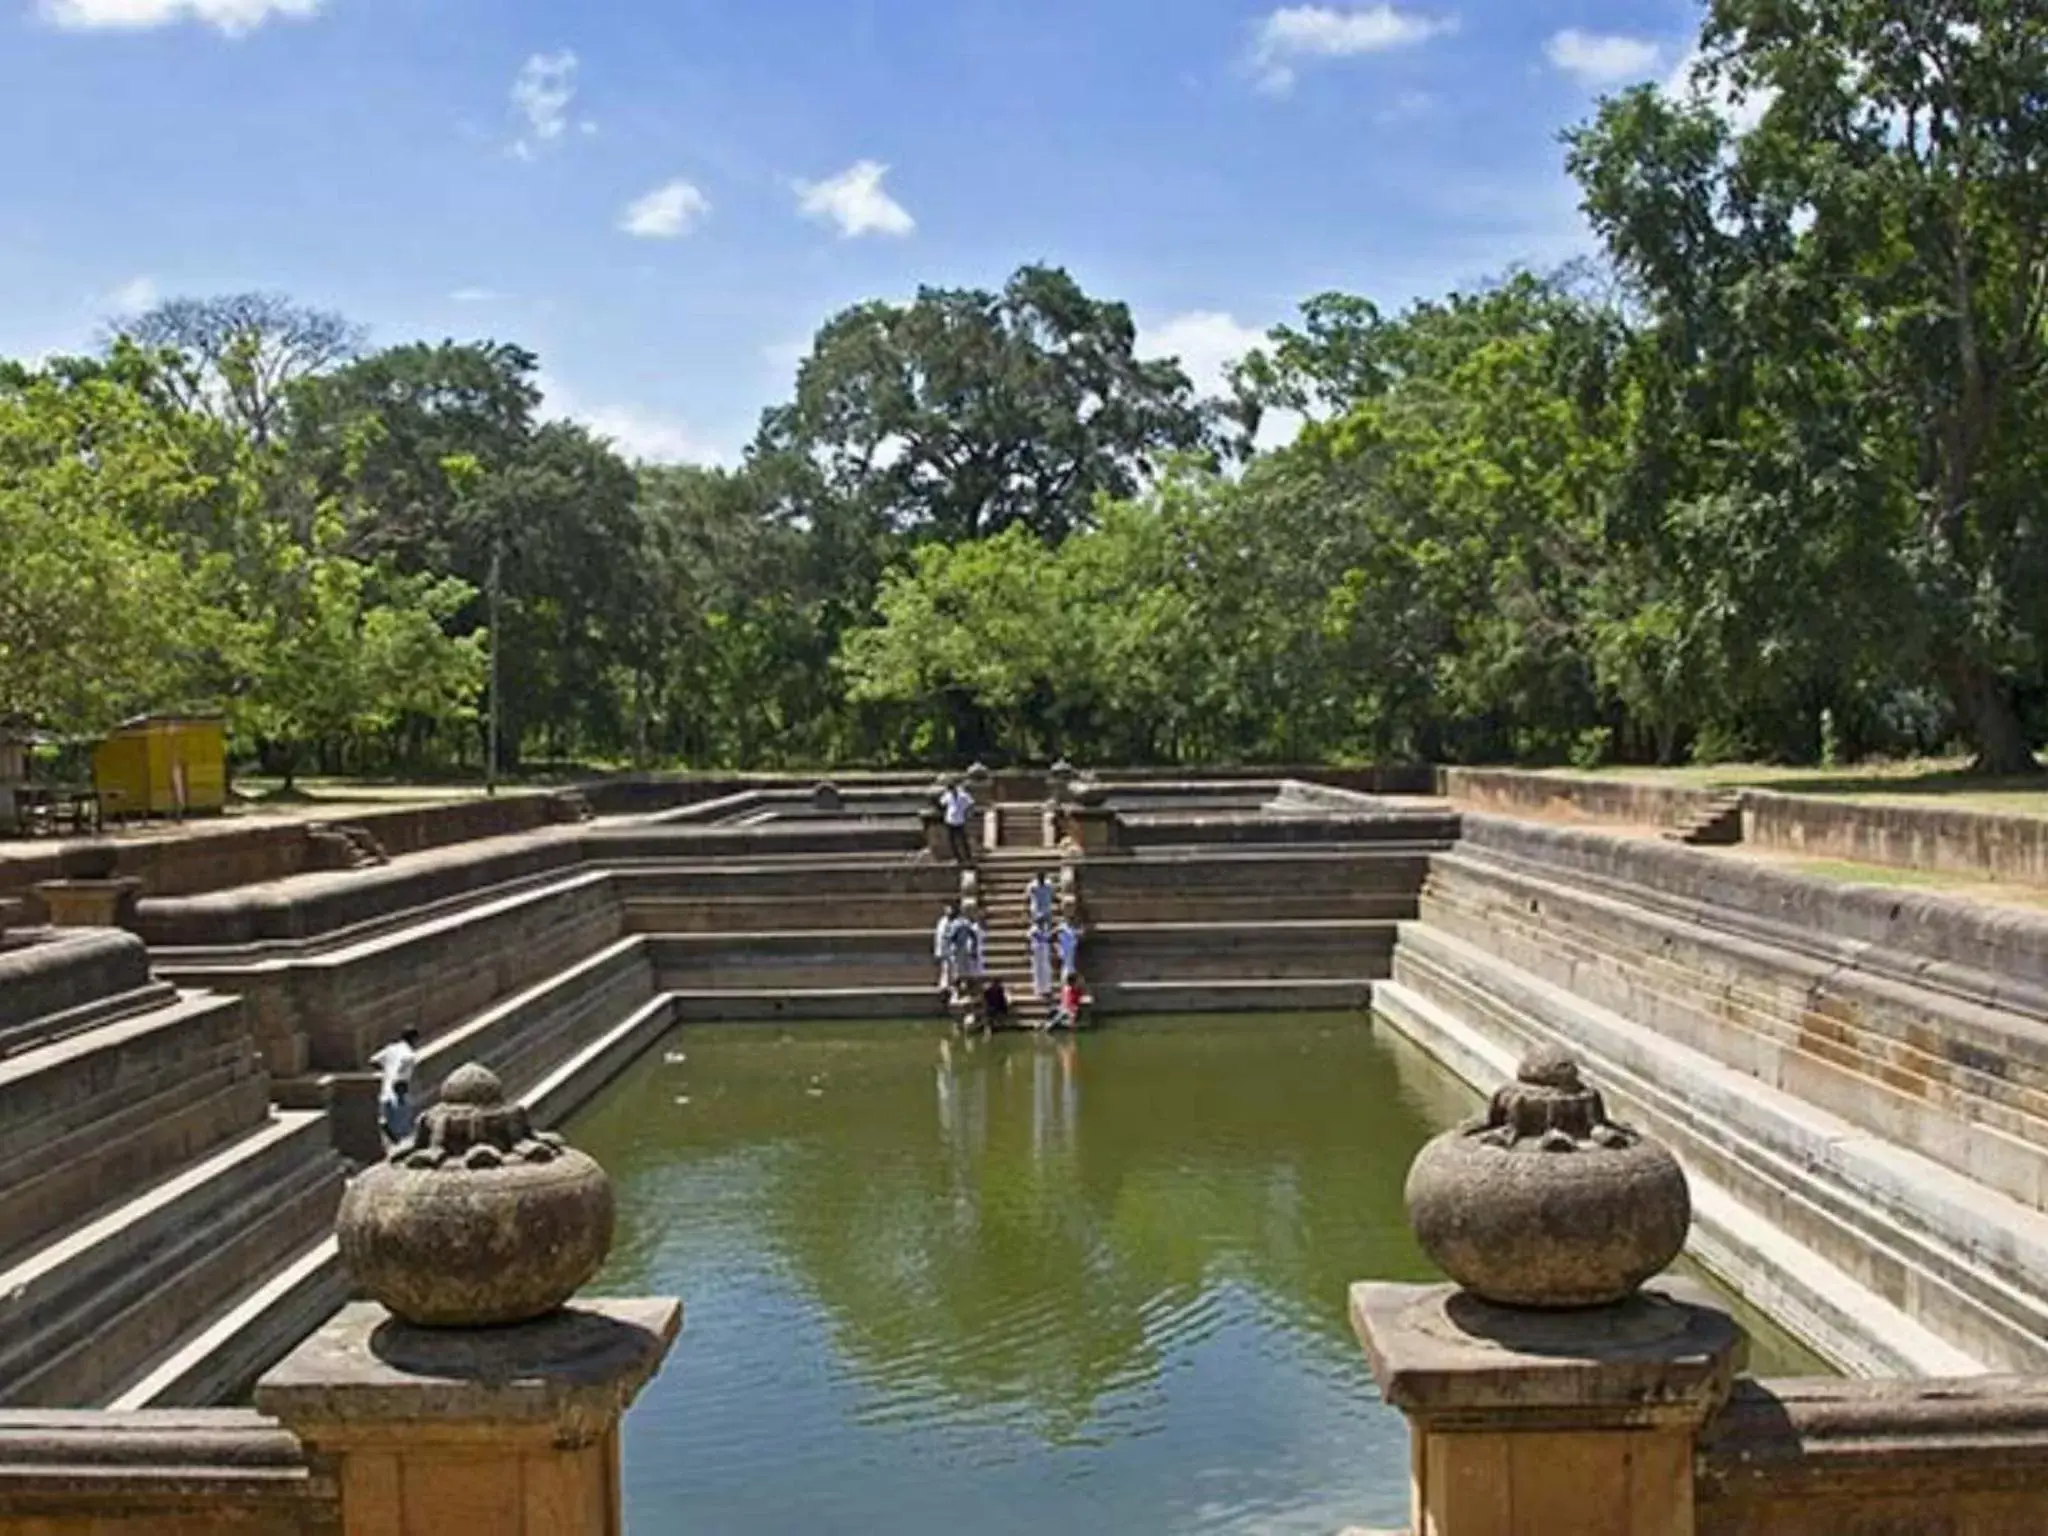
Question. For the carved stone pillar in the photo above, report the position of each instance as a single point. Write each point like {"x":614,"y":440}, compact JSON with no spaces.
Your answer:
{"x":1548,"y":1390}
{"x":464,"y":1396}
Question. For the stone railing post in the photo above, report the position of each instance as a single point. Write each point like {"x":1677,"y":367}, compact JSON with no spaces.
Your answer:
{"x":1092,"y":821}
{"x":1548,"y":1390}
{"x":464,"y":1395}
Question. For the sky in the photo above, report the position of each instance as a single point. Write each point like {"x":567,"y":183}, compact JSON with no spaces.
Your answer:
{"x":665,"y":198}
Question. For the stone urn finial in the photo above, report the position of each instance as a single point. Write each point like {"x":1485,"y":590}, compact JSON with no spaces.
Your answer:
{"x":477,"y":1219}
{"x":1543,"y":1201}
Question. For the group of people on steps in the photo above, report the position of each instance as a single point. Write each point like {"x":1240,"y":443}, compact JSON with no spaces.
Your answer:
{"x":960,"y":945}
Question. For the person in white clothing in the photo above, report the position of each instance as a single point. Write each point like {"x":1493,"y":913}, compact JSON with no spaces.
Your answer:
{"x":1041,"y":899}
{"x":394,"y":1064}
{"x":977,"y":946}
{"x":960,"y":951}
{"x":1041,"y":960}
{"x":942,"y":944}
{"x":957,"y":805}
{"x":1066,"y":943}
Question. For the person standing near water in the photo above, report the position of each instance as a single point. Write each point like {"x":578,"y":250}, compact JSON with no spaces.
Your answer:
{"x":942,"y":944}
{"x":977,"y":945}
{"x":960,"y":951}
{"x":394,"y":1064}
{"x":1041,"y":960}
{"x":1066,"y":940}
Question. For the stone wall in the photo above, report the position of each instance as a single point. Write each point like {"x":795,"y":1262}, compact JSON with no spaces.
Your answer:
{"x":1245,"y":827}
{"x":753,"y":897}
{"x":1252,"y":886}
{"x":192,"y":1472}
{"x":314,"y":905}
{"x":1857,"y":1080}
{"x":1930,"y":837}
{"x":220,"y":856}
{"x":64,"y":980}
{"x":325,"y":1007}
{"x":1838,"y":1458}
{"x":1579,"y":797}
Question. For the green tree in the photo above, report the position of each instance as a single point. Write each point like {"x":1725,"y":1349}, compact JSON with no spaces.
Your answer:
{"x":964,"y":412}
{"x":1848,"y":340}
{"x":101,"y":612}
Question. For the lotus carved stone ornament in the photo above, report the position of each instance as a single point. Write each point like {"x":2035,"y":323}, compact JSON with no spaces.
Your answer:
{"x":1543,"y":1201}
{"x":476,"y":1220}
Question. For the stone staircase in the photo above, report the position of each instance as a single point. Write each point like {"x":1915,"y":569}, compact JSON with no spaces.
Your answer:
{"x":147,"y":1189}
{"x":335,"y":847}
{"x":1717,"y":824}
{"x":1003,"y":878}
{"x":1857,"y":1170}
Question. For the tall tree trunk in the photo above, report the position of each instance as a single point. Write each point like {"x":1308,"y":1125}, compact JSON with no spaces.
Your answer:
{"x":1985,"y":710}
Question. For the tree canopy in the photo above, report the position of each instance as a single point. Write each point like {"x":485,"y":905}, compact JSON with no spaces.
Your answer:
{"x":1764,"y":479}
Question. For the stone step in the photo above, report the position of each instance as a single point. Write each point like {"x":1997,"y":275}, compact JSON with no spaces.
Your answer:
{"x":1309,"y":994}
{"x":86,"y":1119}
{"x":810,"y":1003}
{"x":1811,"y":1298}
{"x":82,"y":1314}
{"x":217,"y":1361}
{"x":1805,"y":1033}
{"x":1982,"y":1051}
{"x":1942,"y":1247}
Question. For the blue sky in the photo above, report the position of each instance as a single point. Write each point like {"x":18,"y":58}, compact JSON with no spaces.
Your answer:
{"x":664,"y":198}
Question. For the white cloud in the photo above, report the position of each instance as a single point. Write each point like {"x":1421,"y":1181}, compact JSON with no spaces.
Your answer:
{"x":1298,"y":32}
{"x":1742,"y":112}
{"x":542,"y":94}
{"x":854,"y":200}
{"x":1206,"y":342}
{"x":233,"y":17}
{"x":667,"y":213}
{"x":634,"y":431}
{"x":133,"y":297}
{"x":476,"y":296}
{"x":1601,"y":58}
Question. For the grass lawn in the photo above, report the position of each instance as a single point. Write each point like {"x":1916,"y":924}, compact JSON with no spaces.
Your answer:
{"x":1914,"y":782}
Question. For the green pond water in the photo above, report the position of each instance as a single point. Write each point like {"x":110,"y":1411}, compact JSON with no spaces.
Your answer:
{"x":1018,"y":1285}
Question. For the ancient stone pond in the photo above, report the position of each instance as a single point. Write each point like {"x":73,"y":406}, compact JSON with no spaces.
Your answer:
{"x":1093,"y":1284}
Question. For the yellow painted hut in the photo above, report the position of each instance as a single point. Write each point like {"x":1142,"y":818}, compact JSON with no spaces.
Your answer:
{"x":163,"y":765}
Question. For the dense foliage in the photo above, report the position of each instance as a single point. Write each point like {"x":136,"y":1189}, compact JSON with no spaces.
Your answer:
{"x":1765,"y":480}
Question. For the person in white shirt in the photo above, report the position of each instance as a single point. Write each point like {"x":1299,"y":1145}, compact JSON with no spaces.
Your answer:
{"x":394,"y":1064}
{"x":977,"y":947}
{"x":1041,"y":961}
{"x":1041,"y":898}
{"x":960,"y":953}
{"x":942,"y":944}
{"x":1066,"y":940}
{"x":957,"y":805}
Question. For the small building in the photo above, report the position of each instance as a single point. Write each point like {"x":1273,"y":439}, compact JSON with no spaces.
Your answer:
{"x":163,"y":765}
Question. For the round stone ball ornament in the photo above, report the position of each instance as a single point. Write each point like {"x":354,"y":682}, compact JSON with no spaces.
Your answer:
{"x":477,"y":1220}
{"x":1545,"y":1202}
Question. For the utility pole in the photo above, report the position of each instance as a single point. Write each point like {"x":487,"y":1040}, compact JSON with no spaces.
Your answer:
{"x":491,"y":753}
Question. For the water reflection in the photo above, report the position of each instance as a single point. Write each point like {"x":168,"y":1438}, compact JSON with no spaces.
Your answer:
{"x":1025,"y":1283}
